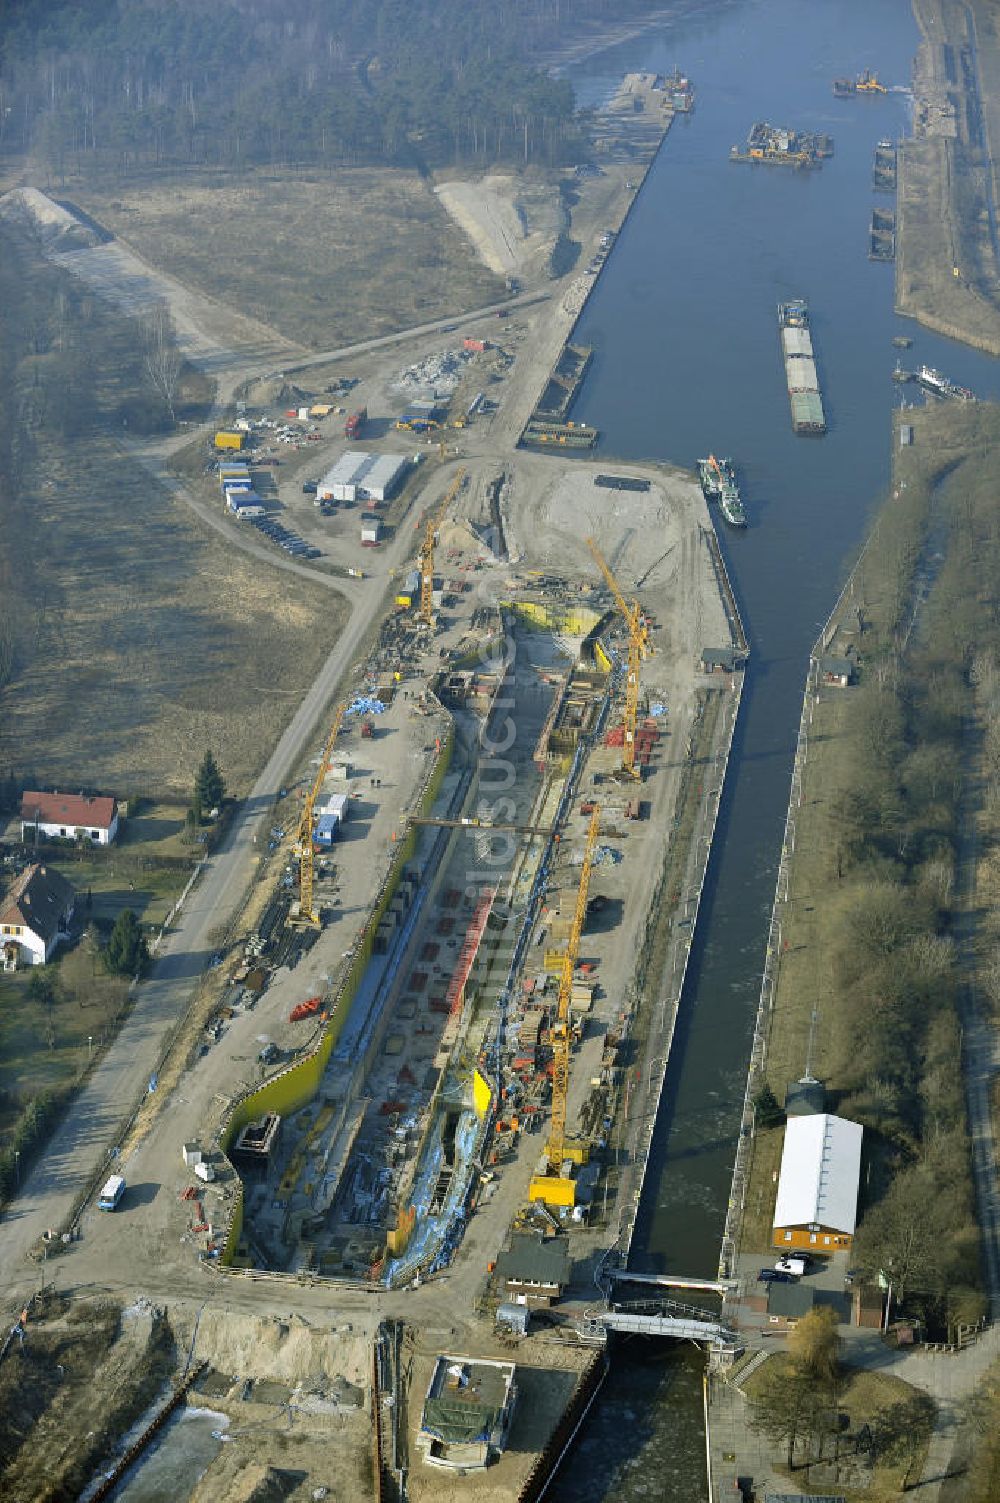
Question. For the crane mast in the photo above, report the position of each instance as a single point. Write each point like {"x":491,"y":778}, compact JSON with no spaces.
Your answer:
{"x":305,"y":835}
{"x":638,"y":638}
{"x":427,"y":550}
{"x":560,"y":1029}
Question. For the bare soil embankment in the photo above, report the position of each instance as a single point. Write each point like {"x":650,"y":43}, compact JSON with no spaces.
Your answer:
{"x":323,"y":260}
{"x":947,"y":275}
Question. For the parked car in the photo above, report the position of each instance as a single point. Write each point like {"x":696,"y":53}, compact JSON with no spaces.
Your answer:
{"x":795,"y":1266}
{"x":772,"y":1276}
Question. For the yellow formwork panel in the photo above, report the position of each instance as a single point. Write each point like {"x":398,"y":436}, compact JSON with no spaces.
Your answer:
{"x":553,"y":1190}
{"x":482,"y":1094}
{"x":578,"y":620}
{"x":553,"y":961}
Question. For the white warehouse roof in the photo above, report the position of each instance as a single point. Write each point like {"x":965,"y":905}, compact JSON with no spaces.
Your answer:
{"x":820,"y":1172}
{"x":369,"y":475}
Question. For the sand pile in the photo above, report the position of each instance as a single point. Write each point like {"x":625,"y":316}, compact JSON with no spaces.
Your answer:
{"x":289,"y":1350}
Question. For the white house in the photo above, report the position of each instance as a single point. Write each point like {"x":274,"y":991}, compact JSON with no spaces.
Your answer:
{"x":68,"y":816}
{"x":35,"y":917}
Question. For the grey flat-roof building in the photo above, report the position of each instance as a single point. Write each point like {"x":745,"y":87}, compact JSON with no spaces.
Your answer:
{"x":467,"y":1412}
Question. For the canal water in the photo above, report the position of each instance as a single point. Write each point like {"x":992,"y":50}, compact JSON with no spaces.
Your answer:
{"x":687,"y":361}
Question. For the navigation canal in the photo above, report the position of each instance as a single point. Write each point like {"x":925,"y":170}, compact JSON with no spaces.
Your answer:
{"x":683,"y":324}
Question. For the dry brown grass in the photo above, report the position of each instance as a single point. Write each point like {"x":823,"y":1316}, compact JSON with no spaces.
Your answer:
{"x":324,"y":259}
{"x":156,"y":641}
{"x":142,"y":637}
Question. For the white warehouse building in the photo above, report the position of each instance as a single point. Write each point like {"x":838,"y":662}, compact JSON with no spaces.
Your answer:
{"x":358,"y":476}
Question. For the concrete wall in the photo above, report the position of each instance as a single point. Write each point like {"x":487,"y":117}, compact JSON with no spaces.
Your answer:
{"x":295,"y":1087}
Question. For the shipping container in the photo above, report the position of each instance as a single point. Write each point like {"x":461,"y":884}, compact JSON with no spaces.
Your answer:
{"x":225,"y":440}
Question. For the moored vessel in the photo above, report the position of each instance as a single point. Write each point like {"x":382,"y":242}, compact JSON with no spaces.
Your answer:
{"x":718,"y":483}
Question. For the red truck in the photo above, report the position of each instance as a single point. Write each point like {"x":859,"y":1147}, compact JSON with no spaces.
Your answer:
{"x":355,"y":423}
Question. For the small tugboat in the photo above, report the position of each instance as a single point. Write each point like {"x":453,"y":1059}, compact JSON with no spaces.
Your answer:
{"x":718,"y":483}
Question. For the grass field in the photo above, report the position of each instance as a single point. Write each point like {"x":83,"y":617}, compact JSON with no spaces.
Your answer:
{"x":326,"y":259}
{"x":48,"y":1047}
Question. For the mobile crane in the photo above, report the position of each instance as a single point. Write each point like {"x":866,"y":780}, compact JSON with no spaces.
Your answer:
{"x":553,"y":1187}
{"x":306,"y":915}
{"x":427,"y":550}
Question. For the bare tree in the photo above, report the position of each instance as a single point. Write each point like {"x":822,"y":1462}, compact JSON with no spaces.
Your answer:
{"x":161,"y":355}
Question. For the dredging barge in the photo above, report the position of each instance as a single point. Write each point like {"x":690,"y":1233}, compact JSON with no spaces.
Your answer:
{"x":804,"y":394}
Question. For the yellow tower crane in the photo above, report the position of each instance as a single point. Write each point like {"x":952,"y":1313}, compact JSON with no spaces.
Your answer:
{"x":553,"y":1187}
{"x":427,"y":550}
{"x":306,"y":915}
{"x":638,"y":648}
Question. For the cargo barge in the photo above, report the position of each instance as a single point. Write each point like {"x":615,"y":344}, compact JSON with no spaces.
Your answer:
{"x":718,"y":483}
{"x":884,"y":167}
{"x":539,"y":434}
{"x":804,"y":395}
{"x":882,"y":236}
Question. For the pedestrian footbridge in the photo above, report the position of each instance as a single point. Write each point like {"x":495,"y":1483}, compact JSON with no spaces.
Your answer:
{"x":661,"y":1318}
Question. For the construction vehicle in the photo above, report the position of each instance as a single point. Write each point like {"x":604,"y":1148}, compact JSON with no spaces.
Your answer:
{"x":553,"y":1186}
{"x":306,"y":915}
{"x":416,"y":422}
{"x":427,"y":549}
{"x":638,"y":648}
{"x":307,"y":1009}
{"x":355,"y":423}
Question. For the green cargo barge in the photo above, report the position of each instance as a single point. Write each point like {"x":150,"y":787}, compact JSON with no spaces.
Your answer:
{"x":800,"y":368}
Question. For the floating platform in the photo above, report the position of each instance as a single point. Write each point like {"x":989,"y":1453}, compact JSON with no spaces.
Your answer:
{"x":804,"y":396}
{"x":776,"y":145}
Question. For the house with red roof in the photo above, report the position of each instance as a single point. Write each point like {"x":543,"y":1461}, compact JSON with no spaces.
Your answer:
{"x":69,"y":816}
